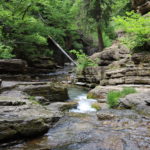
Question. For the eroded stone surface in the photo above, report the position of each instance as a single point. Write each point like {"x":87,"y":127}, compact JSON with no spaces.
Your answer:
{"x":20,"y":115}
{"x":138,"y":101}
{"x":125,"y":131}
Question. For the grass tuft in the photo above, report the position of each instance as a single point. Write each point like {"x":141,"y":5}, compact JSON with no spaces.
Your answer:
{"x":114,"y":96}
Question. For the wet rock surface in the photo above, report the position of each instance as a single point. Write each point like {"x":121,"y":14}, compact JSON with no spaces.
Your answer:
{"x":21,"y":116}
{"x":126,"y":130}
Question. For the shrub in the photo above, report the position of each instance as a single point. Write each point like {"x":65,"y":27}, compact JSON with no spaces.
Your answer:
{"x":127,"y":91}
{"x":83,"y":61}
{"x":5,"y":52}
{"x":107,"y":40}
{"x":136,"y":27}
{"x":114,"y":96}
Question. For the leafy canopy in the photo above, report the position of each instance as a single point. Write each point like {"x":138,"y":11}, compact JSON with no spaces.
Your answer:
{"x":137,"y":28}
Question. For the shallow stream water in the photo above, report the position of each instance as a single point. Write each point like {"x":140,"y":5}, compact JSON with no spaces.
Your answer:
{"x":80,"y":129}
{"x":80,"y":95}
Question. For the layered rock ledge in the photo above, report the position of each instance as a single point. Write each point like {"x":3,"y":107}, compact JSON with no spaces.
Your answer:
{"x":117,"y":66}
{"x":22,"y":116}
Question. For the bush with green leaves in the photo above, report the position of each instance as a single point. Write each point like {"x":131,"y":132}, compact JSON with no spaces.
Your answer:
{"x":137,"y":28}
{"x":83,"y":61}
{"x":114,"y":96}
{"x":5,"y":52}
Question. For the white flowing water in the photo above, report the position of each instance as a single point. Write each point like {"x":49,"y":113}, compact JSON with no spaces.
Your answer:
{"x":80,"y":96}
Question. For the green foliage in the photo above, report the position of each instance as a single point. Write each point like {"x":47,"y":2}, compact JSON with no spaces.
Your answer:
{"x":5,"y":52}
{"x":96,"y":106}
{"x":137,"y":28}
{"x":119,"y":7}
{"x":114,"y":96}
{"x":25,"y":25}
{"x":107,"y":40}
{"x":83,"y":61}
{"x":32,"y":99}
{"x":128,"y":90}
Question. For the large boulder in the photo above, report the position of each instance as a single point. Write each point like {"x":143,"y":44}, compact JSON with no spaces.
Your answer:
{"x":21,"y":118}
{"x":110,"y":54}
{"x":13,"y":66}
{"x":100,"y":92}
{"x":41,"y":65}
{"x":138,"y":101}
{"x":52,"y":92}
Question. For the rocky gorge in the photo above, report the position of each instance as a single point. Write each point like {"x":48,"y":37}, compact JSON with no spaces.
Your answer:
{"x":98,"y":101}
{"x":39,"y":115}
{"x":47,"y":112}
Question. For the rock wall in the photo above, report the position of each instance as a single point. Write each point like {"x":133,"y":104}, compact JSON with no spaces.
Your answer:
{"x":13,"y":66}
{"x":118,"y":66}
{"x":141,"y":6}
{"x":19,"y":66}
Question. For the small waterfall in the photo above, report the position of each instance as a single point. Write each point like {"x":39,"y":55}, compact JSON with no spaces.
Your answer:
{"x":84,"y":104}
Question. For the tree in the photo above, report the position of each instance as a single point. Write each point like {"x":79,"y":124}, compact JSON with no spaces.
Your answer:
{"x":26,"y":24}
{"x":99,"y":11}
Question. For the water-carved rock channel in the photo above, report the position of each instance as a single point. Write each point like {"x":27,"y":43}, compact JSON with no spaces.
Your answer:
{"x":80,"y":128}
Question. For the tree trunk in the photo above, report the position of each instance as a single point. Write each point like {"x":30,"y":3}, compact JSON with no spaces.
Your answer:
{"x":100,"y":38}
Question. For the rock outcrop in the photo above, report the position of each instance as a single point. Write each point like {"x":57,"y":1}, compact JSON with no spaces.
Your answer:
{"x":109,"y":130}
{"x":141,"y":6}
{"x":41,"y":65}
{"x":118,"y":66}
{"x":137,"y":101}
{"x":13,"y":66}
{"x":19,"y":66}
{"x":22,"y":116}
{"x":53,"y":93}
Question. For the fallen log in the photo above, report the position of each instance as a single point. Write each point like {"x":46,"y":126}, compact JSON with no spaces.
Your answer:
{"x":62,"y":50}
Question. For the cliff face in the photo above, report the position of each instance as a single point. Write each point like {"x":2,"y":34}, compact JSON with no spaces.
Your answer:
{"x":141,"y":6}
{"x":116,"y":65}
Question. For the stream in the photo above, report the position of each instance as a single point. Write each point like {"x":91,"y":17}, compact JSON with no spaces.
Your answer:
{"x":85,"y":128}
{"x":80,"y":129}
{"x":80,"y":95}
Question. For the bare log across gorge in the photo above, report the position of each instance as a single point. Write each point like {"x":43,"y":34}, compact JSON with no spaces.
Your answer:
{"x":63,"y":51}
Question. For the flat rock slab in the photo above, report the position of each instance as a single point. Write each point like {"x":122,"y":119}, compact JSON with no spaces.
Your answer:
{"x":20,"y":118}
{"x":100,"y":92}
{"x":125,"y":131}
{"x":23,"y":117}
